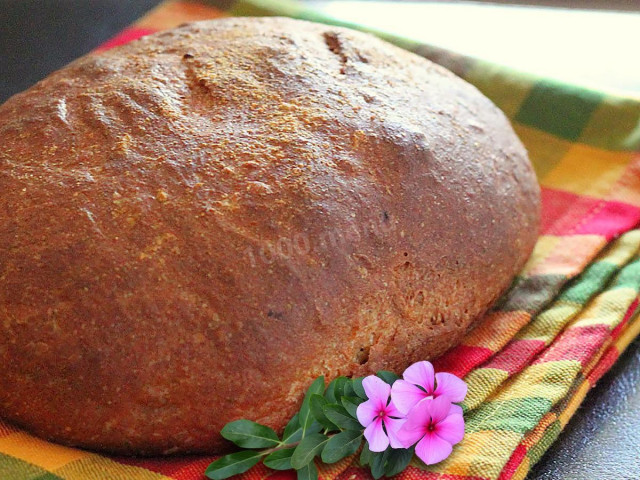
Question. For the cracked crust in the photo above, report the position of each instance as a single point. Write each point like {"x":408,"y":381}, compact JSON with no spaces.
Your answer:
{"x":195,"y":225}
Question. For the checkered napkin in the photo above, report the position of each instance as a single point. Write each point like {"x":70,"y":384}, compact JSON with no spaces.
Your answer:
{"x":531,"y":361}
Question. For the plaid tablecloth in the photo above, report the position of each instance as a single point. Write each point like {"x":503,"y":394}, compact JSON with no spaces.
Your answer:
{"x":531,"y":361}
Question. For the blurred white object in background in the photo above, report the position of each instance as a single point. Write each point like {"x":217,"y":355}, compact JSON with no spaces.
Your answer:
{"x":593,"y":48}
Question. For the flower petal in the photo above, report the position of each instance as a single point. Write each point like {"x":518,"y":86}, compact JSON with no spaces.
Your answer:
{"x":407,"y":436}
{"x":366,"y":412}
{"x":376,"y":390}
{"x":456,"y":410}
{"x":392,"y":411}
{"x":420,"y":414}
{"x":416,"y":423}
{"x":439,"y":409}
{"x":421,"y":373}
{"x":378,"y":440}
{"x":432,"y":449}
{"x":392,"y":426}
{"x":451,"y":386}
{"x":451,"y":429}
{"x":405,"y":395}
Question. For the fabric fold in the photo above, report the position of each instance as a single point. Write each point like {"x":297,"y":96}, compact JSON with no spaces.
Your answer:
{"x":567,"y":318}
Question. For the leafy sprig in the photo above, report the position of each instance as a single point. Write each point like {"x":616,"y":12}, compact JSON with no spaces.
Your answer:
{"x":326,"y":427}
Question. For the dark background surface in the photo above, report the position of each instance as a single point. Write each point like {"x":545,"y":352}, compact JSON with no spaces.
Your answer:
{"x":602,"y":441}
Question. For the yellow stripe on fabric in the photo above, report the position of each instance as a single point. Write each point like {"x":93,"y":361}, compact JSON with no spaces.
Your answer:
{"x":574,"y":403}
{"x":621,"y":250}
{"x":571,"y":255}
{"x":537,"y":433}
{"x":544,"y":246}
{"x":587,"y":170}
{"x":95,"y":467}
{"x":545,"y":150}
{"x":608,"y":308}
{"x":496,"y":329}
{"x":473,"y":457}
{"x":505,"y":90}
{"x":546,"y":325}
{"x":523,"y":470}
{"x":482,"y":382}
{"x":547,"y":380}
{"x":174,"y":13}
{"x":39,"y":452}
{"x":576,"y":397}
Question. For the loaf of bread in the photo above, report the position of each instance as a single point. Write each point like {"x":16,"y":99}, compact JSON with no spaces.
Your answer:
{"x":196,"y":225}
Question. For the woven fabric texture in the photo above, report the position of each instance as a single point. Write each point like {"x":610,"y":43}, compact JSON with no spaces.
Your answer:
{"x":530,"y":362}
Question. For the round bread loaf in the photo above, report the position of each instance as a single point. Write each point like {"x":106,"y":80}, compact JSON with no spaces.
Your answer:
{"x":195,"y":225}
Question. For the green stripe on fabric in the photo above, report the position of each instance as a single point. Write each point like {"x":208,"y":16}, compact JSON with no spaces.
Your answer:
{"x":515,"y":415}
{"x":507,"y":91}
{"x":629,"y":277}
{"x":547,"y":325}
{"x":589,"y":283}
{"x":559,"y":109}
{"x":548,"y":437}
{"x":12,"y":468}
{"x":615,"y":124}
{"x":484,"y":381}
{"x":265,"y":8}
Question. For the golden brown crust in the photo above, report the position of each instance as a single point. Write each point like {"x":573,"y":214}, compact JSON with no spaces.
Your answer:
{"x":195,"y":225}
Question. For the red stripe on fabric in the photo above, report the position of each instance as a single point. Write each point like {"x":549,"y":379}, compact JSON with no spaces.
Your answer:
{"x":462,"y":359}
{"x":606,"y":362}
{"x":579,"y":344}
{"x":610,"y":220}
{"x":563,"y":211}
{"x":514,"y":462}
{"x":413,"y":473}
{"x":516,"y":355}
{"x":125,"y":36}
{"x":283,"y":475}
{"x":627,"y":316}
{"x":193,"y":471}
{"x":353,"y":473}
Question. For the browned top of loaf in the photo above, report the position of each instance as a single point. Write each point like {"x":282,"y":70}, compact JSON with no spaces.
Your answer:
{"x":146,"y":189}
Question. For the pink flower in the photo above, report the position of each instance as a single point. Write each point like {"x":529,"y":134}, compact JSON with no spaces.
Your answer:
{"x":379,"y":415}
{"x":436,"y":426}
{"x":420,"y":383}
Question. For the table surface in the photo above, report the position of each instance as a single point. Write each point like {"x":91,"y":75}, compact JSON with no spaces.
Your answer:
{"x":601,"y":442}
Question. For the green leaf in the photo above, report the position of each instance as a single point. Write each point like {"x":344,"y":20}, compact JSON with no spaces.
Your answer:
{"x":248,"y":434}
{"x":341,"y":445}
{"x":307,"y":449}
{"x":338,"y":389}
{"x":348,"y":389}
{"x":317,"y":404}
{"x":365,"y":455}
{"x":306,"y":418}
{"x":308,"y":472}
{"x":378,"y":461}
{"x":397,"y":461}
{"x":388,"y":377}
{"x":351,"y":405}
{"x":330,"y":392}
{"x":356,"y":383}
{"x":233,"y":464}
{"x":340,"y":417}
{"x":293,"y":431}
{"x":280,"y":459}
